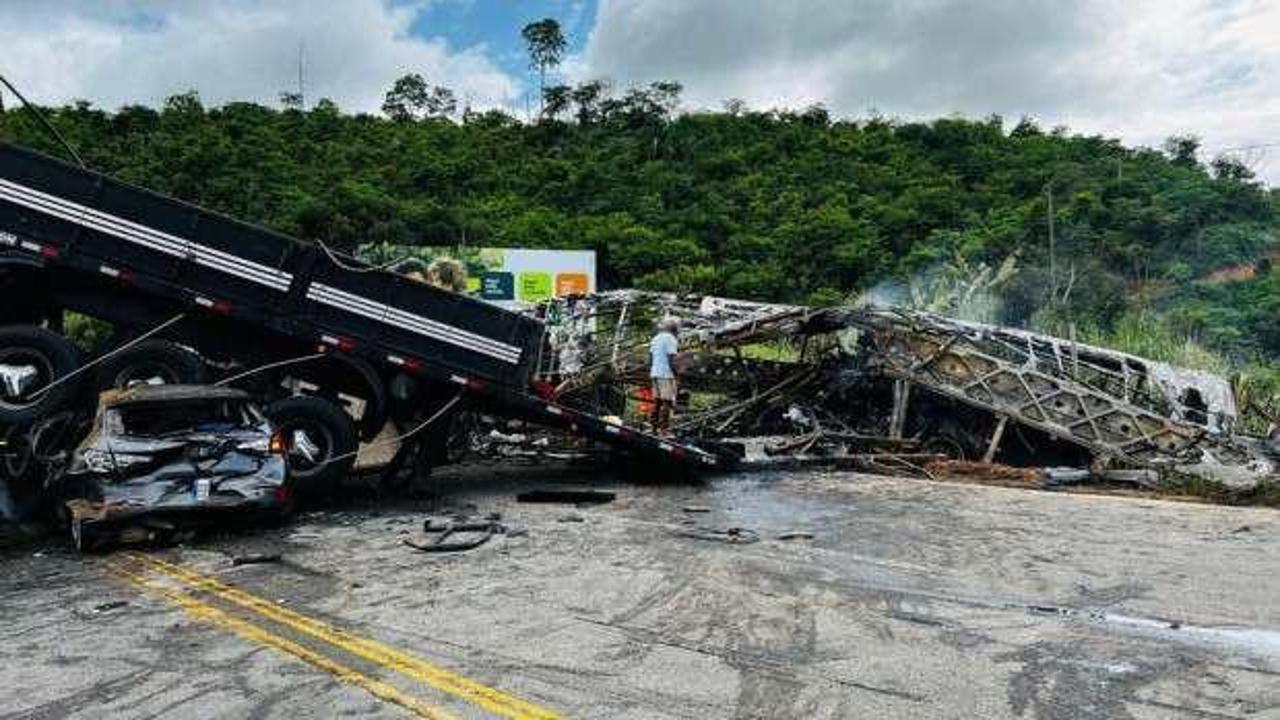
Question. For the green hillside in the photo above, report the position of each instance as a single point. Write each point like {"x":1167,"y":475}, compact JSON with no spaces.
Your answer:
{"x":787,"y":205}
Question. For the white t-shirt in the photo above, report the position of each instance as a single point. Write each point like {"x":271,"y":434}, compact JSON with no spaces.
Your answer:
{"x":661,"y":348}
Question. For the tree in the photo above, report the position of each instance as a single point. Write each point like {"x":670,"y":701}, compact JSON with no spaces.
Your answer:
{"x":555,"y":100}
{"x":407,"y":97}
{"x":412,"y":98}
{"x":441,"y":102}
{"x":546,"y":46}
{"x":788,"y":205}
{"x":1182,"y":150}
{"x":1226,"y":167}
{"x":587,"y":97}
{"x":666,"y":95}
{"x":185,"y":104}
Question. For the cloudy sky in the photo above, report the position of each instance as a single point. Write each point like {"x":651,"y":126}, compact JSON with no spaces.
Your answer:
{"x":1137,"y":69}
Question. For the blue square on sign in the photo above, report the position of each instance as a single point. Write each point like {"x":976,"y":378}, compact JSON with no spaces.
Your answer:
{"x":498,"y":286}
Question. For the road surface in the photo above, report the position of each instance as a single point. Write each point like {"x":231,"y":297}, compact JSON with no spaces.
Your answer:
{"x":912,"y":599}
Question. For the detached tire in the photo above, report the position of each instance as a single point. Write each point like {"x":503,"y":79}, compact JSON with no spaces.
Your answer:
{"x":315,"y":432}
{"x":153,"y":362}
{"x":31,"y":358}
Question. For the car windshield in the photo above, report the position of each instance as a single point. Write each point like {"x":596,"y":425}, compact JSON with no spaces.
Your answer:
{"x":170,"y":417}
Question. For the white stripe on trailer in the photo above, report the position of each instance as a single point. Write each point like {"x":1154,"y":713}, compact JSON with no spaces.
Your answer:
{"x":381,"y":312}
{"x":204,"y":301}
{"x":393,"y":316}
{"x":554,"y":410}
{"x":27,"y":245}
{"x":158,"y":238}
{"x":142,"y":235}
{"x":424,"y":326}
{"x":109,"y":271}
{"x":146,"y":236}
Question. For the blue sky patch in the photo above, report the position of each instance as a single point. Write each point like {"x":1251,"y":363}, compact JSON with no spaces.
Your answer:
{"x":496,"y":24}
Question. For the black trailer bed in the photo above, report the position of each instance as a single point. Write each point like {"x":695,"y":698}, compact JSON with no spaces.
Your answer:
{"x":86,"y":228}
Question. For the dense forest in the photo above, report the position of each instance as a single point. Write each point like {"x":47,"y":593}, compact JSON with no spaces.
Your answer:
{"x":1148,"y":249}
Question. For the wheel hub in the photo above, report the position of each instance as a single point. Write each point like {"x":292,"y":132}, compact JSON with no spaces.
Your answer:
{"x":303,"y":445}
{"x":16,"y":380}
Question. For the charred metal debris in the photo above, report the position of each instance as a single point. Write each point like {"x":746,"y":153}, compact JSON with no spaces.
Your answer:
{"x":897,"y":391}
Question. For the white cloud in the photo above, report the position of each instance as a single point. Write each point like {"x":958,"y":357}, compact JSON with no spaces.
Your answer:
{"x":1139,"y":69}
{"x":115,"y":52}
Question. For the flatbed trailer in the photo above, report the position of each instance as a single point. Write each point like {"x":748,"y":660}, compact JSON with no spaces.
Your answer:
{"x":79,"y":240}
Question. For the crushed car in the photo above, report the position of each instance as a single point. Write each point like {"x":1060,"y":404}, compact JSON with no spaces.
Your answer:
{"x":163,"y":457}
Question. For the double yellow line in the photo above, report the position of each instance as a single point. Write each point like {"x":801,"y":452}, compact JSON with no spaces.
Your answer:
{"x":385,"y":656}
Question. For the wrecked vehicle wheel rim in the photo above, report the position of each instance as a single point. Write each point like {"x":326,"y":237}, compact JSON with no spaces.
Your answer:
{"x":23,"y":371}
{"x":310,"y":448}
{"x":145,"y":374}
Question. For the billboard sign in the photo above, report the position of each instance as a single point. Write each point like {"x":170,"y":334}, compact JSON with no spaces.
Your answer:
{"x":505,"y":276}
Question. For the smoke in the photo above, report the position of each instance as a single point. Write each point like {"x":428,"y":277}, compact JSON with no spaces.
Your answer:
{"x":956,"y":288}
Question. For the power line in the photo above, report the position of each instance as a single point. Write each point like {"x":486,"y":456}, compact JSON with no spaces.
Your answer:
{"x":44,"y":121}
{"x":1238,"y":148}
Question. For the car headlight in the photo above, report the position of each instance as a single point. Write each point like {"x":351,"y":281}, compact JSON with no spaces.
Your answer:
{"x":269,"y":445}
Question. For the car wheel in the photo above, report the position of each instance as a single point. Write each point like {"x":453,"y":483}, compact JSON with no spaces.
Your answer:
{"x":153,"y":362}
{"x":320,"y":441}
{"x":32,"y":358}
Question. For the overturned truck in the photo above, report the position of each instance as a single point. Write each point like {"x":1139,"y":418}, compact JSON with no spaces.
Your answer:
{"x":838,"y":381}
{"x":334,"y":349}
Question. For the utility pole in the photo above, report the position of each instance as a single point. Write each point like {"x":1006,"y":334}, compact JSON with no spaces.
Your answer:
{"x":302,"y":88}
{"x":1053,"y":269}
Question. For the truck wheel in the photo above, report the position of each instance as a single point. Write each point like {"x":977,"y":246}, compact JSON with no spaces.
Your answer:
{"x":153,"y":362}
{"x":30,"y":359}
{"x":315,"y":432}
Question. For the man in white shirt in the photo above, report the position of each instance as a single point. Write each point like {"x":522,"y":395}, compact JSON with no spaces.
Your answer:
{"x":662,"y":352}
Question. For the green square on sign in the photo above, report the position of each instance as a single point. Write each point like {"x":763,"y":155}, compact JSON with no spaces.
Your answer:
{"x":534,"y":286}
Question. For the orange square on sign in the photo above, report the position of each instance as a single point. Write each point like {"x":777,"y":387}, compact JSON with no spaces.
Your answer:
{"x":571,"y":284}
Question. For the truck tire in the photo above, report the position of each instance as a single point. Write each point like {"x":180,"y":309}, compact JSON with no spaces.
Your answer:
{"x":31,"y":358}
{"x":315,"y":431}
{"x":155,"y":362}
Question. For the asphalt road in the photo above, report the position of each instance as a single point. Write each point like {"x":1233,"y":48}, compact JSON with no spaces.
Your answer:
{"x":912,"y":599}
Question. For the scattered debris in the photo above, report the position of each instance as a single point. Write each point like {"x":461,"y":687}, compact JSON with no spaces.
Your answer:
{"x":1055,"y":476}
{"x":731,"y":536}
{"x":475,"y":532}
{"x":988,"y":473}
{"x":795,"y":535}
{"x":255,"y":559}
{"x":572,"y":496}
{"x":110,"y":605}
{"x":696,"y":509}
{"x":1142,"y":477}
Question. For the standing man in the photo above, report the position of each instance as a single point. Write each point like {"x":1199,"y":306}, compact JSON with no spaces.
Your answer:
{"x":662,"y":351}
